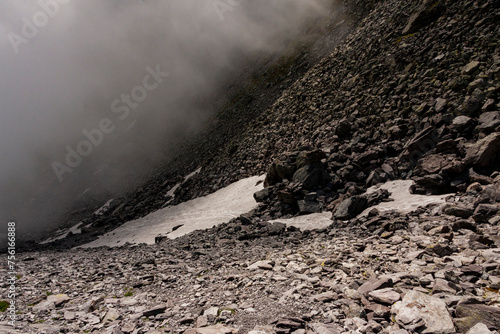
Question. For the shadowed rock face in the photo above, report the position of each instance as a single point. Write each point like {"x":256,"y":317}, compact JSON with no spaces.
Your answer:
{"x":428,"y":12}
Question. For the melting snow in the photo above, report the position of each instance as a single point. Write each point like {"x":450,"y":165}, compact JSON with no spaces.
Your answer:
{"x":196,"y":214}
{"x":103,"y":208}
{"x":404,"y":201}
{"x":308,"y":222}
{"x":174,"y":188}
{"x":234,"y":200}
{"x":64,"y":233}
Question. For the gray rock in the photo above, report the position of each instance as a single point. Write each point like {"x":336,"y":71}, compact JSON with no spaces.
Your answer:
{"x":310,"y":176}
{"x":484,"y":212}
{"x":440,"y":104}
{"x":319,"y":328}
{"x":489,"y":121}
{"x":468,"y":315}
{"x":417,"y":306}
{"x":375,"y":284}
{"x":264,"y":264}
{"x":427,"y":13}
{"x":350,"y":207}
{"x":474,"y":102}
{"x":262,"y":195}
{"x":479,"y":328}
{"x":484,"y":152}
{"x":385,"y":296}
{"x":343,"y":128}
{"x":471,"y":67}
{"x":457,"y":211}
{"x":154,"y":311}
{"x":308,"y":206}
{"x":441,"y":285}
{"x":325,"y":297}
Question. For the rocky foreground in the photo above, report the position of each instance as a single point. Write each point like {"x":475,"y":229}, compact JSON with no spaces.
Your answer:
{"x":430,"y":271}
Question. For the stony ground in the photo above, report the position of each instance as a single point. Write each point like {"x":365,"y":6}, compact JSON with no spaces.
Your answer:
{"x":429,"y":271}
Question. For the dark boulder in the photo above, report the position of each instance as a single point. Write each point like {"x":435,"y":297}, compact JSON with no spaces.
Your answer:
{"x":428,"y":12}
{"x":484,"y":152}
{"x":310,"y":176}
{"x":350,"y":207}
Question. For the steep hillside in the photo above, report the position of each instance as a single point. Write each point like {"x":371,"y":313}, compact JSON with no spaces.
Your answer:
{"x":408,"y":67}
{"x":245,"y":98}
{"x":411,"y":93}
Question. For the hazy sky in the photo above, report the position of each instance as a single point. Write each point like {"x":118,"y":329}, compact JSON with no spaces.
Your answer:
{"x":126,"y":74}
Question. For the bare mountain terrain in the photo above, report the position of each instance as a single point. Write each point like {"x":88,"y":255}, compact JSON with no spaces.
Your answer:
{"x":387,"y":145}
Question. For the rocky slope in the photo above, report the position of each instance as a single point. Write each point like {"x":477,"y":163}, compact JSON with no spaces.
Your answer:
{"x":409,"y":67}
{"x":411,"y":94}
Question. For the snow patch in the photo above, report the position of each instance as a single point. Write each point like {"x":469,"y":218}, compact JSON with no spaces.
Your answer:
{"x":174,"y":188}
{"x":103,"y":208}
{"x":200,"y":213}
{"x":404,"y":201}
{"x":61,"y":234}
{"x":311,"y":221}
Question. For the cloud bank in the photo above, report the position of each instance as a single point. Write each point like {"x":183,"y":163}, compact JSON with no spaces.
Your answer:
{"x":93,"y":93}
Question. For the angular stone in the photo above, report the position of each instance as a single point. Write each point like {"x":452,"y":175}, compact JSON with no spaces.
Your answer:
{"x":375,"y":284}
{"x":319,"y":328}
{"x":385,"y":296}
{"x":441,"y":250}
{"x":440,"y":104}
{"x":264,"y":264}
{"x":111,"y":316}
{"x":154,"y":311}
{"x":474,"y":102}
{"x":484,"y":212}
{"x":379,"y":310}
{"x":309,"y":157}
{"x":422,"y":142}
{"x":216,"y":329}
{"x":343,"y":128}
{"x":324,"y":297}
{"x":310,"y":176}
{"x":308,"y":206}
{"x":212,"y":311}
{"x":441,"y":285}
{"x":435,"y":163}
{"x":428,"y":12}
{"x":350,"y":207}
{"x":471,"y":67}
{"x":417,"y":306}
{"x":471,"y":314}
{"x":463,"y":123}
{"x":479,"y":328}
{"x":457,"y":211}
{"x":202,"y":321}
{"x":292,"y":323}
{"x":484,"y":152}
{"x":295,"y":267}
{"x":51,"y":302}
{"x":262,"y":195}
{"x":489,"y":121}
